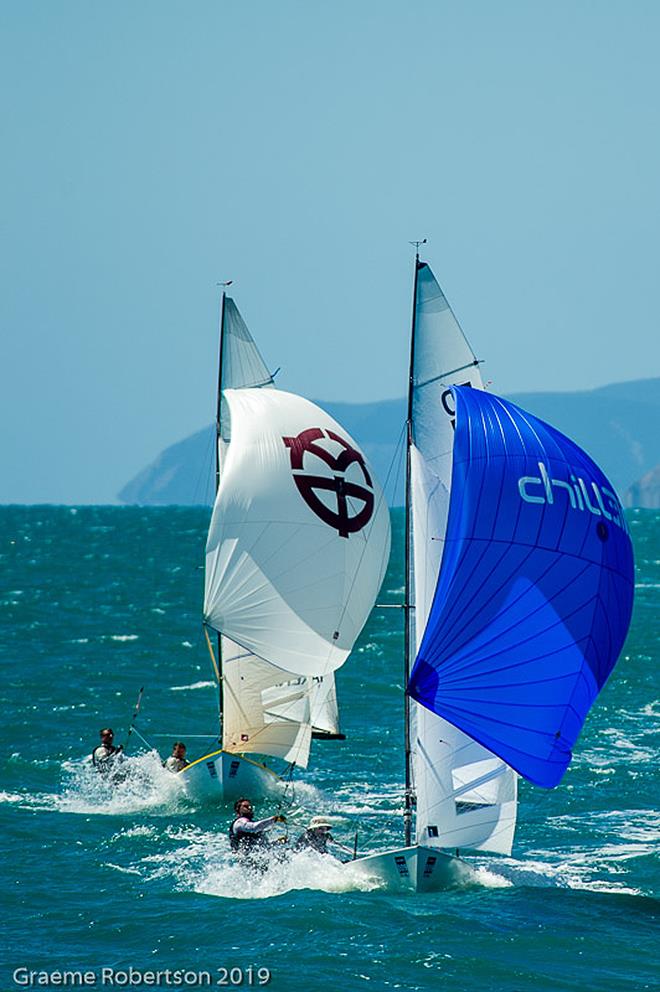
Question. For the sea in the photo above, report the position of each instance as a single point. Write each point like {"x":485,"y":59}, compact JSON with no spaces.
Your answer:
{"x":133,"y":886}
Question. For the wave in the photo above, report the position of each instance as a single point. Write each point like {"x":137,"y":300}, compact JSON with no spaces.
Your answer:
{"x":193,"y":685}
{"x":144,"y":785}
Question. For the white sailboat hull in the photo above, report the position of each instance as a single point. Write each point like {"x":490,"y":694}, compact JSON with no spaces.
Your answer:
{"x":224,"y":777}
{"x":414,"y":869}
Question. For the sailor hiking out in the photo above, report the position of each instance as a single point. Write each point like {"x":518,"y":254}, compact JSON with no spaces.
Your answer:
{"x":106,"y":757}
{"x":317,"y":836}
{"x":177,"y":760}
{"x":247,"y":836}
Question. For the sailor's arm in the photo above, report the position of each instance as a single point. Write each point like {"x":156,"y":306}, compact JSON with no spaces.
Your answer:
{"x":246,"y":826}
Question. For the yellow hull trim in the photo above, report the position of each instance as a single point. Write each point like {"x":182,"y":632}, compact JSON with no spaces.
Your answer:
{"x":215,"y":754}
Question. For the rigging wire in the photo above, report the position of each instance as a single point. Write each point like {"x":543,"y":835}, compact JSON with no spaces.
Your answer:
{"x":395,"y":456}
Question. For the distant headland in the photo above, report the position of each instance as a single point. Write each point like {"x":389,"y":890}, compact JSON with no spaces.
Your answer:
{"x":619,"y":425}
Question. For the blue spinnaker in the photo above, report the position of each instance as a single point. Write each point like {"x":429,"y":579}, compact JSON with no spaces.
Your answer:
{"x":535,"y":591}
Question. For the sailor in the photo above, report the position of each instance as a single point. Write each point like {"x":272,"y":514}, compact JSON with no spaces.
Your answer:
{"x":106,"y":756}
{"x":247,"y":836}
{"x":316,"y":837}
{"x":177,"y":759}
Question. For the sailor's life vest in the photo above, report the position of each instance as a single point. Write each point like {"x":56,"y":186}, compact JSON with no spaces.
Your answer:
{"x":315,"y":841}
{"x":246,"y":843}
{"x":175,"y":764}
{"x":104,"y":762}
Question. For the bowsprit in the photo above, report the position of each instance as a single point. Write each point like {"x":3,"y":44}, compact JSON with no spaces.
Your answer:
{"x":344,"y":490}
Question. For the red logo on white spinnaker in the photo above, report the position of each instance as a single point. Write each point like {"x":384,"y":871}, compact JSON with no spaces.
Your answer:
{"x":305,"y":446}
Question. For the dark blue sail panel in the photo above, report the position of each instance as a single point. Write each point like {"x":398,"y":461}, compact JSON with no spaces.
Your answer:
{"x":535,"y":591}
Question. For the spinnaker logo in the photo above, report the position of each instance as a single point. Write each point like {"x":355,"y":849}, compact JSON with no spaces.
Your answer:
{"x":599,"y":500}
{"x":342,"y":489}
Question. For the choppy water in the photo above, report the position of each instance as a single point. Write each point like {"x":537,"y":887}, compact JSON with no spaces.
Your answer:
{"x":96,"y":602}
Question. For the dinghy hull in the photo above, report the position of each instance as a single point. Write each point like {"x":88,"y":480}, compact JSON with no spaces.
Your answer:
{"x":225,"y":777}
{"x":414,"y":869}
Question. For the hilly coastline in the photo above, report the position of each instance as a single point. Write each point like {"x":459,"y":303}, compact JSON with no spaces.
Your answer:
{"x":616,"y":424}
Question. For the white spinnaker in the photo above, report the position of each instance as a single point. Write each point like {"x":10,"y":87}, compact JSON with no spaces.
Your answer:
{"x":260,"y":715}
{"x":466,"y":797}
{"x":289,"y":575}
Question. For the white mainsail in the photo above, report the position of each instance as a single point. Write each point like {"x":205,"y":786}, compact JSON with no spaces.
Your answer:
{"x":296,"y":552}
{"x":466,"y":797}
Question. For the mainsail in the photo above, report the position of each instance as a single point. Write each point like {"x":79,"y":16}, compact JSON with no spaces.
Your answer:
{"x":296,"y":551}
{"x":535,"y":593}
{"x":465,"y":795}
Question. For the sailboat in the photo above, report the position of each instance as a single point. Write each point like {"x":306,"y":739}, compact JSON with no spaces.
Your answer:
{"x":518,"y":597}
{"x":296,"y":551}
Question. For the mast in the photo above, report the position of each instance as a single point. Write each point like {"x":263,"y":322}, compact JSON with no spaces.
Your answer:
{"x":408,"y":607}
{"x":218,"y":435}
{"x":218,"y":426}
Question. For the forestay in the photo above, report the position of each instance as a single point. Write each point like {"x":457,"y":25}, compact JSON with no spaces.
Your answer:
{"x":466,"y":797}
{"x":535,"y":593}
{"x":299,"y":537}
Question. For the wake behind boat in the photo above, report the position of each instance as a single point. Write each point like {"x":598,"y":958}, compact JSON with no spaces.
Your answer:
{"x":518,"y":597}
{"x":297,"y":548}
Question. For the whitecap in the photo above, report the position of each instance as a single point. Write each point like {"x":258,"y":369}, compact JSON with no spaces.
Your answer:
{"x":124,"y":871}
{"x":193,"y":685}
{"x":145,"y":785}
{"x":142,"y":830}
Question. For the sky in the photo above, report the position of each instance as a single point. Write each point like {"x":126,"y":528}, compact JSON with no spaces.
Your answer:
{"x":151,"y":150}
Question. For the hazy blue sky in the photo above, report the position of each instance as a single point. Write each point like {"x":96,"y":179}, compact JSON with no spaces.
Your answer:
{"x":150,"y":149}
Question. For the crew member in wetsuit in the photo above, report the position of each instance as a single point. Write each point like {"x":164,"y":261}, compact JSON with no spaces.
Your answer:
{"x":106,"y":756}
{"x":316,"y":837}
{"x":177,"y":759}
{"x":247,"y":836}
